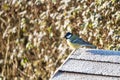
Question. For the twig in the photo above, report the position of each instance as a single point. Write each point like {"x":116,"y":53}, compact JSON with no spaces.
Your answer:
{"x":23,"y":73}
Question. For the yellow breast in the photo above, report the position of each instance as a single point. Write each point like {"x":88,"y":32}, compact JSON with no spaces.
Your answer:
{"x":73,"y":46}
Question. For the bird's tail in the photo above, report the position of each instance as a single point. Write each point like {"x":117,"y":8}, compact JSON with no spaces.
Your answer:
{"x":89,"y":45}
{"x":93,"y":46}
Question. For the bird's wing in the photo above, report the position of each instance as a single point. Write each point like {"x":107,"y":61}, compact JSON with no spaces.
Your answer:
{"x":80,"y":41}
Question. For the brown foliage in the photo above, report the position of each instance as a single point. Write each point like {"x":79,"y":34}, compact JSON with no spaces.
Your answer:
{"x":31,"y":33}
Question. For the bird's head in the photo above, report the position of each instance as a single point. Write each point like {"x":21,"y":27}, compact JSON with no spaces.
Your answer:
{"x":68,"y":35}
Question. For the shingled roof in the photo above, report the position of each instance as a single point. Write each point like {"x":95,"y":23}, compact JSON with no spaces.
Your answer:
{"x":90,"y":64}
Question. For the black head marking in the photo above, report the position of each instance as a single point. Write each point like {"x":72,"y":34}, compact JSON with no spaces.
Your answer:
{"x":68,"y":35}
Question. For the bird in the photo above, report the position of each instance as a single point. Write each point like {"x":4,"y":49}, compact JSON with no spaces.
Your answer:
{"x":75,"y":42}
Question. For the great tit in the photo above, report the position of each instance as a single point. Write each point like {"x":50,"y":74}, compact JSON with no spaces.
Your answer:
{"x":75,"y":42}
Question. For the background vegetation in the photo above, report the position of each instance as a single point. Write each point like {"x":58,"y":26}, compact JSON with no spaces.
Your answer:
{"x":31,"y":33}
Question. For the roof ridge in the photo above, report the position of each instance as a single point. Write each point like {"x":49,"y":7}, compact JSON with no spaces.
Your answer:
{"x":94,"y":60}
{"x":89,"y":73}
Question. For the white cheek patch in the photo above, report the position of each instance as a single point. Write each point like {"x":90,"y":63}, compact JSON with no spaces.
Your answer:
{"x":69,"y":36}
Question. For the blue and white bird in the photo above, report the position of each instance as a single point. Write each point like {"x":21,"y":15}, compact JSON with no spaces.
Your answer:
{"x":75,"y":42}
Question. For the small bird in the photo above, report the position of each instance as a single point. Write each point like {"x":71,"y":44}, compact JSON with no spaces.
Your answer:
{"x":75,"y":42}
